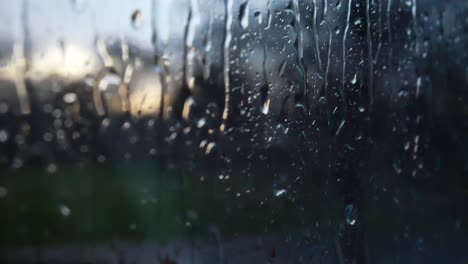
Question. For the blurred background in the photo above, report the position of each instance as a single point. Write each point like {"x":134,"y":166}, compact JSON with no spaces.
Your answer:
{"x":190,"y":131}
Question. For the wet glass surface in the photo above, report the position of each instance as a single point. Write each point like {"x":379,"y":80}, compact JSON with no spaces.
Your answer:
{"x":209,"y":131}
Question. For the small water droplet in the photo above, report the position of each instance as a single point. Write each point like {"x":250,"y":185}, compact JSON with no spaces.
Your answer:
{"x":17,"y":163}
{"x":69,"y":98}
{"x":3,"y":192}
{"x":322,"y":100}
{"x":264,"y":99}
{"x":337,"y":30}
{"x":338,"y":5}
{"x":354,"y":80}
{"x":266,"y":106}
{"x":105,"y":122}
{"x":420,"y":244}
{"x":280,"y":192}
{"x":210,"y":147}
{"x":51,"y":168}
{"x":137,"y":19}
{"x":64,"y":210}
{"x":201,"y":122}
{"x":340,"y":127}
{"x":407,"y":145}
{"x":4,"y":107}
{"x":101,"y":158}
{"x":127,"y":125}
{"x":350,"y":214}
{"x":3,"y":136}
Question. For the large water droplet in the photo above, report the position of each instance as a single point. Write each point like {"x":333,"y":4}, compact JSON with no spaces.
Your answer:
{"x":258,"y":16}
{"x":109,"y":84}
{"x":264,"y":99}
{"x":109,"y":80}
{"x":244,"y":14}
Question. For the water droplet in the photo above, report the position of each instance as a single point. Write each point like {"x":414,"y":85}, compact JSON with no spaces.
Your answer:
{"x":280,"y":192}
{"x":264,"y":99}
{"x":350,"y":214}
{"x":210,"y":147}
{"x":3,"y":136}
{"x":337,"y":30}
{"x":109,"y":84}
{"x":340,"y":127}
{"x":109,"y":80}
{"x":137,"y":19}
{"x":354,"y":80}
{"x":4,"y":107}
{"x":64,"y":210}
{"x":266,"y":106}
{"x":127,"y":125}
{"x":106,"y":122}
{"x":338,"y":5}
{"x":69,"y":98}
{"x":17,"y":163}
{"x":322,"y":100}
{"x":244,"y":14}
{"x":101,"y":158}
{"x":407,"y":145}
{"x":397,"y":167}
{"x":51,"y":168}
{"x":188,"y":108}
{"x":3,"y":192}
{"x":420,"y":243}
{"x":258,"y":16}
